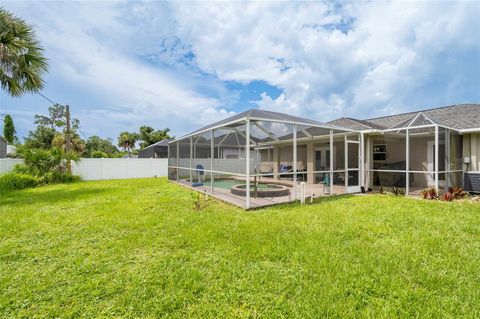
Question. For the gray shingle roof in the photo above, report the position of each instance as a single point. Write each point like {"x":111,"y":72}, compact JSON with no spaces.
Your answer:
{"x":461,"y":116}
{"x":161,"y":143}
{"x":355,"y":124}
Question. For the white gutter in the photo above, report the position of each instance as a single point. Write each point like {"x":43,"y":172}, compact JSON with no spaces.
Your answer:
{"x":470,"y":130}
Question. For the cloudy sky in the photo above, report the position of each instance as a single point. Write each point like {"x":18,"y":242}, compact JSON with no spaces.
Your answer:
{"x":120,"y":65}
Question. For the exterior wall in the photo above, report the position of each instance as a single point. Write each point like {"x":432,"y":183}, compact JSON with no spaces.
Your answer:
{"x":471,"y":149}
{"x":419,"y":161}
{"x":286,"y":156}
{"x":3,"y":148}
{"x":395,"y":149}
{"x":310,"y":163}
{"x":396,"y":152}
{"x":306,"y":156}
{"x":418,"y":153}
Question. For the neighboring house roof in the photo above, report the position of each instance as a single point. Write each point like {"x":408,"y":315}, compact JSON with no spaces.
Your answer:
{"x":3,"y":139}
{"x":460,"y":117}
{"x":161,"y":143}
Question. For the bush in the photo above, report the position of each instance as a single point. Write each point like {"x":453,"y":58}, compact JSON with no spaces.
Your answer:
{"x":58,"y":177}
{"x":454,"y":193}
{"x":448,"y":197}
{"x":99,"y":154}
{"x":22,"y":169}
{"x":13,"y":181}
{"x":429,"y":193}
{"x":398,"y":191}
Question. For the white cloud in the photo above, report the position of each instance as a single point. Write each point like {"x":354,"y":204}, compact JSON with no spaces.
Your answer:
{"x":349,"y":59}
{"x":90,"y":48}
{"x":390,"y":53}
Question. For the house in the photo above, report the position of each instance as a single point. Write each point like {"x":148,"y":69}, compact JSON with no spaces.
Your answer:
{"x":157,"y":150}
{"x":11,"y":150}
{"x":385,"y":145}
{"x":3,"y":147}
{"x":295,"y":158}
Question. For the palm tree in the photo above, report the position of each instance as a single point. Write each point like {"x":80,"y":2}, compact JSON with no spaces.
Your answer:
{"x":77,"y":144}
{"x":22,"y":63}
{"x":127,"y":140}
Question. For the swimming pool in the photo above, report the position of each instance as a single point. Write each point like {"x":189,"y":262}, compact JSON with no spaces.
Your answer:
{"x":223,"y":183}
{"x":238,"y":187}
{"x":229,"y":183}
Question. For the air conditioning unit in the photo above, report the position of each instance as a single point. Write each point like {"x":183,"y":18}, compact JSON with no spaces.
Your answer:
{"x":471,"y":182}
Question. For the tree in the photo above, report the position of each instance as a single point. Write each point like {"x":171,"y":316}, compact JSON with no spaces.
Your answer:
{"x":9,"y":129}
{"x":97,"y":144}
{"x":148,"y":135}
{"x":41,"y":138}
{"x":56,"y":118}
{"x":77,"y":144}
{"x":22,"y":63}
{"x":127,"y":141}
{"x":49,"y":165}
{"x":99,"y":154}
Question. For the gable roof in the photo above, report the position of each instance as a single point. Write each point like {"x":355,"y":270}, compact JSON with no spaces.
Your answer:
{"x":460,"y":117}
{"x":3,"y":139}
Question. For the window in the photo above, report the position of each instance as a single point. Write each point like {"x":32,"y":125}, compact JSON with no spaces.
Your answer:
{"x":380,"y":152}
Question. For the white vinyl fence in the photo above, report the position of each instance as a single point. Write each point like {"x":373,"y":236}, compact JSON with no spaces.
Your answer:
{"x":220,"y":165}
{"x":7,"y":164}
{"x":108,"y":168}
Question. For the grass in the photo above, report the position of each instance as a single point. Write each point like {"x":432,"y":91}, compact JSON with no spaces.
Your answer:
{"x":137,"y":248}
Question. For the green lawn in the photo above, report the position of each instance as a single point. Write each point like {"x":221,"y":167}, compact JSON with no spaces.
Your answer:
{"x":137,"y":248}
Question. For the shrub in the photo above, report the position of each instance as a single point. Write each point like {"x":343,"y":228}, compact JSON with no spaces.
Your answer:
{"x":197,"y":200}
{"x":457,"y":192}
{"x":429,"y":193}
{"x":21,"y":169}
{"x":13,"y":181}
{"x":59,"y":177}
{"x":448,"y":197}
{"x":398,"y":191}
{"x":453,"y":193}
{"x":99,"y":154}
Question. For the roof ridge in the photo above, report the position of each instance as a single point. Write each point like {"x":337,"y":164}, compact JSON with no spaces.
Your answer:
{"x":361,"y":122}
{"x":421,"y":111}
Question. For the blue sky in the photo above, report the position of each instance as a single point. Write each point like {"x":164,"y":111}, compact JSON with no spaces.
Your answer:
{"x":182,"y":65}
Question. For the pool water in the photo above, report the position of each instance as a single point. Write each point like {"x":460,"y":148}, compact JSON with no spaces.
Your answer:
{"x":261,"y":187}
{"x":223,"y":183}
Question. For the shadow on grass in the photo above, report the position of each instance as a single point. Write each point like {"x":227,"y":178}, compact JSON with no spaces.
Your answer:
{"x":316,"y":201}
{"x":27,"y":197}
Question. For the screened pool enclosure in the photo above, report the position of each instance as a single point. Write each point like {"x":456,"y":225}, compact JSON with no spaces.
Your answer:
{"x":260,"y":158}
{"x":413,"y":155}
